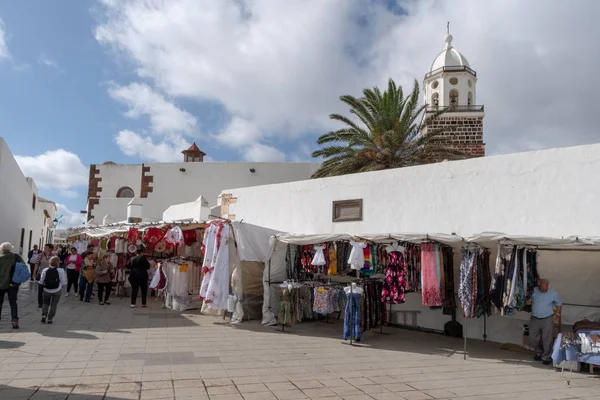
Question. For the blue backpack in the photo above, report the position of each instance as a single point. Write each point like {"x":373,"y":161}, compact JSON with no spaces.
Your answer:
{"x":21,"y":274}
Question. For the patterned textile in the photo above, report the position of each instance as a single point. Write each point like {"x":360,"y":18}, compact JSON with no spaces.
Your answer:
{"x":448,"y":301}
{"x":332,"y":269}
{"x":394,"y":283}
{"x":286,"y":309}
{"x":430,"y":282}
{"x":465,"y":288}
{"x":323,"y":301}
{"x":352,"y":317}
{"x":499,"y":279}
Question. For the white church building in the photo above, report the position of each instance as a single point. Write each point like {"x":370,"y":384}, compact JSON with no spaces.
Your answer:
{"x":154,"y":187}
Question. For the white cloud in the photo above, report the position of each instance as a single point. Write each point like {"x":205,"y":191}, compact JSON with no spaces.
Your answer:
{"x":55,"y":169}
{"x":48,"y":62}
{"x":281,"y":66}
{"x":4,"y":53}
{"x":167,"y":150}
{"x":69,"y":218}
{"x":164,"y":116}
{"x":259,"y":152}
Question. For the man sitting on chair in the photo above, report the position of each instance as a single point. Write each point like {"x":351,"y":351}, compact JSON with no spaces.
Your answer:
{"x":545,"y":311}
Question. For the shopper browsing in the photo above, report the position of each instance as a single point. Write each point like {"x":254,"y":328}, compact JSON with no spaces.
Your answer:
{"x":73,"y":263}
{"x":52,"y":281}
{"x":138,"y":268}
{"x":88,"y":275}
{"x":104,"y":273}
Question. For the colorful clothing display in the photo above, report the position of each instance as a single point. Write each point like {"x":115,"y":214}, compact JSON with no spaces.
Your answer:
{"x":515,"y":277}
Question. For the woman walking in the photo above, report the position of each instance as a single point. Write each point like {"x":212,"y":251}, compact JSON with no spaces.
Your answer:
{"x":8,"y":259}
{"x":52,"y":281}
{"x":104,"y":274}
{"x":73,"y":263}
{"x":43,"y":263}
{"x":88,"y":275}
{"x":138,"y":268}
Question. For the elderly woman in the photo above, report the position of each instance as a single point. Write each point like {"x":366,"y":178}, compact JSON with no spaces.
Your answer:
{"x":104,"y":272}
{"x":88,"y":275}
{"x":43,"y":262}
{"x":7,"y":260}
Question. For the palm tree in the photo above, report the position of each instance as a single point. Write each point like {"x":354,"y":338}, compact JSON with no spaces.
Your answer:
{"x":391,"y":134}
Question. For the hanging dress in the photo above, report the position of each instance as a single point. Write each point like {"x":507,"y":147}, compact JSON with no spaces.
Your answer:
{"x":430,"y":282}
{"x":352,"y":317}
{"x":357,"y":256}
{"x":394,"y":283}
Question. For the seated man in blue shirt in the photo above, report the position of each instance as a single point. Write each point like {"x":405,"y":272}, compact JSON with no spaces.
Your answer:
{"x":545,"y":311}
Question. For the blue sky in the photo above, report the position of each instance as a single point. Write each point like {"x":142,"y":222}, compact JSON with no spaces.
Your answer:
{"x":87,"y":81}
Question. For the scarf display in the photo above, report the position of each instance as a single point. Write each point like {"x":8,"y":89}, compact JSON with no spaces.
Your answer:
{"x":515,"y":277}
{"x":475,"y":279}
{"x":431,"y":275}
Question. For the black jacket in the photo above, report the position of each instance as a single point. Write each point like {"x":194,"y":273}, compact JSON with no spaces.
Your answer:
{"x":138,"y":266}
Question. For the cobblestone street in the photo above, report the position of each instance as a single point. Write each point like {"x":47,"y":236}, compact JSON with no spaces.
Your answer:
{"x":114,"y":352}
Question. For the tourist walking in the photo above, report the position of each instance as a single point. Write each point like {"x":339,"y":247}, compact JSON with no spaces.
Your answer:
{"x":88,"y":275}
{"x":104,"y":275}
{"x":8,"y":259}
{"x":43,"y":262}
{"x":138,"y":268}
{"x":32,"y":259}
{"x":52,"y":281}
{"x":73,"y":266}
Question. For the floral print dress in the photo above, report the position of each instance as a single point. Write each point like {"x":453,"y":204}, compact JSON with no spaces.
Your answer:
{"x":394,"y":283}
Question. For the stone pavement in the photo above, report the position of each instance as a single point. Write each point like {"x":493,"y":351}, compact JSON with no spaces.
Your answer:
{"x":114,"y":352}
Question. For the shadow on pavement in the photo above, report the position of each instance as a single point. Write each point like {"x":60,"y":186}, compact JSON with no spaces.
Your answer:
{"x":81,"y":392}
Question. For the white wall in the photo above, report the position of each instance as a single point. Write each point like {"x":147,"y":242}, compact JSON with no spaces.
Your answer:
{"x":545,"y":193}
{"x":171,"y":186}
{"x":16,"y":210}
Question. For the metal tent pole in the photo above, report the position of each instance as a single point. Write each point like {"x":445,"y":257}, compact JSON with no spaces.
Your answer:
{"x":465,"y":343}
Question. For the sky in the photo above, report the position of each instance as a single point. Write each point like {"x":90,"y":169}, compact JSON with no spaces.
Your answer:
{"x":130,"y":81}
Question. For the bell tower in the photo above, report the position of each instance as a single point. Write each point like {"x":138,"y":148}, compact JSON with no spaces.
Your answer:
{"x":450,"y":89}
{"x":193,"y":154}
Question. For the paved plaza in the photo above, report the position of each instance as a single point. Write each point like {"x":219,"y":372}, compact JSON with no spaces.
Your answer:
{"x":115,"y":352}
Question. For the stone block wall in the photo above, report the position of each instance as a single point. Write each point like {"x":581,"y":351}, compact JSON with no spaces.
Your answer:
{"x":462,"y":133}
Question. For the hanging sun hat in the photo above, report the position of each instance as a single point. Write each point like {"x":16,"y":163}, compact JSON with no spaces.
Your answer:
{"x":132,"y":248}
{"x":160,"y":247}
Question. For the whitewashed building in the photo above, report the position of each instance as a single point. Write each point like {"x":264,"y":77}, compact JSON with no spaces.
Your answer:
{"x":26,"y":219}
{"x":157,"y":186}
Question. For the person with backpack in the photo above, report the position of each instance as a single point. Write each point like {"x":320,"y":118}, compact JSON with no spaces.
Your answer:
{"x":52,"y":280}
{"x":8,"y":261}
{"x":138,"y":268}
{"x":43,"y":262}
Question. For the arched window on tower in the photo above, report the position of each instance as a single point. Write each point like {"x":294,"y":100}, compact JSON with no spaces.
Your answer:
{"x":125,"y":193}
{"x":453,"y":98}
{"x":435,"y":99}
{"x":470,"y":99}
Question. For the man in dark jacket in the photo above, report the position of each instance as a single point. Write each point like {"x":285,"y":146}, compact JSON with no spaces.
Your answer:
{"x":138,"y":268}
{"x":8,"y":259}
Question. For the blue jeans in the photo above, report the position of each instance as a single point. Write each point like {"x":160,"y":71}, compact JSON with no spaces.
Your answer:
{"x":85,"y":287}
{"x":352,"y":318}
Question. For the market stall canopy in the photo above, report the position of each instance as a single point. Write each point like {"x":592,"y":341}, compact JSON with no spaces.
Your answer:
{"x":567,"y":243}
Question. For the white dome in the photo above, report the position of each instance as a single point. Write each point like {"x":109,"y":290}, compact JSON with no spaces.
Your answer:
{"x":449,"y":57}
